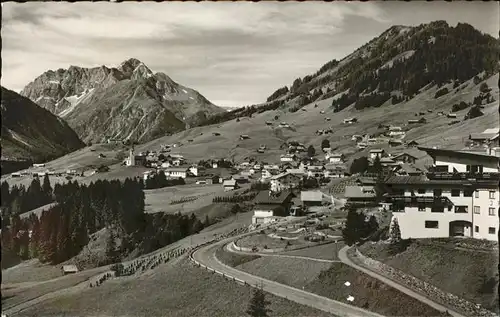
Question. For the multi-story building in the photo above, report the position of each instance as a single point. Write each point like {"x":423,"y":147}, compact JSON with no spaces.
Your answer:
{"x":458,"y":197}
{"x":284,"y":181}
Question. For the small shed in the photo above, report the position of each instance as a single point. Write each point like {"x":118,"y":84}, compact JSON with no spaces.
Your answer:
{"x":69,"y":269}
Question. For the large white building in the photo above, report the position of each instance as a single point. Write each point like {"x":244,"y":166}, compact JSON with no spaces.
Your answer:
{"x":459,"y":197}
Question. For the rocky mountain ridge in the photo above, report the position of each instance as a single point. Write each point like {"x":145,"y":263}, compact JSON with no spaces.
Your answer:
{"x":126,"y":102}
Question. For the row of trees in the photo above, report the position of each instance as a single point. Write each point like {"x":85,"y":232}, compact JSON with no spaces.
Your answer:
{"x":233,"y":199}
{"x":159,"y":180}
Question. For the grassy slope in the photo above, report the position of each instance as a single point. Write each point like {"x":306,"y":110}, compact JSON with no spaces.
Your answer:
{"x":368,"y":293}
{"x":325,"y":251}
{"x":176,"y":289}
{"x":461,"y":272}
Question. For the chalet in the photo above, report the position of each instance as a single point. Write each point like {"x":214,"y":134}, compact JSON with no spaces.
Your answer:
{"x":335,"y":158}
{"x":361,"y":145}
{"x":241,"y":179}
{"x":326,"y":149}
{"x":269,"y":122}
{"x":361,"y":196}
{"x":451,"y":115}
{"x":413,"y":121}
{"x":432,"y":207}
{"x":404,"y":158}
{"x":69,"y":269}
{"x":101,"y":155}
{"x":288,"y":158}
{"x":487,"y":137}
{"x":229,"y":185}
{"x":448,"y":161}
{"x":39,"y":165}
{"x":387,"y":162}
{"x":440,"y":113}
{"x":216,"y":134}
{"x":327,"y":119}
{"x":268,"y":205}
{"x":176,"y":172}
{"x":372,"y":141}
{"x":396,"y":132}
{"x":412,"y":143}
{"x":315,"y":170}
{"x":14,"y":175}
{"x":322,"y":111}
{"x":244,"y":137}
{"x":284,"y":181}
{"x":377,"y":153}
{"x":357,"y":137}
{"x":283,"y":125}
{"x":315,"y":198}
{"x":262,"y":147}
{"x":395,"y":142}
{"x":335,"y":171}
{"x":350,"y":120}
{"x":366,"y":181}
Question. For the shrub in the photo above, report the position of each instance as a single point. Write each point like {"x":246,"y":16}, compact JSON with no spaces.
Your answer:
{"x":441,"y":92}
{"x":459,"y":106}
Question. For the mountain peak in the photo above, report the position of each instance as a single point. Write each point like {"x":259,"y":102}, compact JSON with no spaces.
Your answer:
{"x":131,"y":62}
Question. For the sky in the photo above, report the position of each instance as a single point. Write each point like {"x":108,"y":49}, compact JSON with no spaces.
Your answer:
{"x":235,"y":54}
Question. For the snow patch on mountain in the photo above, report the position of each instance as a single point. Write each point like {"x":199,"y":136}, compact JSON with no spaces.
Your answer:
{"x":17,"y":137}
{"x":75,"y":100}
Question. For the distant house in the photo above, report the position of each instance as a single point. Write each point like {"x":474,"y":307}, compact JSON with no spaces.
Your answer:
{"x":405,"y":169}
{"x":269,"y":204}
{"x":69,"y":269}
{"x":405,"y":158}
{"x":335,"y":171}
{"x":412,"y":143}
{"x":244,"y":137}
{"x":335,"y":158}
{"x":315,"y":198}
{"x":193,"y":170}
{"x":176,"y":172}
{"x":284,"y":181}
{"x":216,"y":134}
{"x":361,"y":195}
{"x":487,"y":137}
{"x":377,"y":153}
{"x":229,"y":185}
{"x":361,"y":145}
{"x":147,"y":174}
{"x":395,"y":142}
{"x":387,"y":161}
{"x":357,"y":137}
{"x":269,"y":123}
{"x":288,"y":158}
{"x":413,"y":121}
{"x":39,"y":165}
{"x":283,"y":125}
{"x":451,"y":115}
{"x":241,"y":179}
{"x":396,"y":132}
{"x":350,"y":120}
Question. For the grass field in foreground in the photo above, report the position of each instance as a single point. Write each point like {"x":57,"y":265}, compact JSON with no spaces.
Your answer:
{"x":289,"y":271}
{"x":178,"y":289}
{"x":368,"y":293}
{"x":470,"y":274}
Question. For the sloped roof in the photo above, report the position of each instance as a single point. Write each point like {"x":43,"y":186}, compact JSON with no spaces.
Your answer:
{"x":403,"y":154}
{"x":311,"y":195}
{"x":229,"y":182}
{"x":264,"y":197}
{"x":70,"y":268}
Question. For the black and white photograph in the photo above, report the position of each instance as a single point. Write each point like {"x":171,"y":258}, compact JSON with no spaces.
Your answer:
{"x":250,"y":159}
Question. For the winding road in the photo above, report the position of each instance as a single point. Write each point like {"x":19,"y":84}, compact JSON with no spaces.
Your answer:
{"x":206,"y":256}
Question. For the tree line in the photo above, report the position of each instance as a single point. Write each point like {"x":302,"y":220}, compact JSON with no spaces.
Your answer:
{"x":17,"y":199}
{"x":81,"y":210}
{"x":233,"y":199}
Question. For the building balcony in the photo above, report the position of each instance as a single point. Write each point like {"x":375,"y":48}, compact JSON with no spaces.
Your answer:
{"x":417,"y":200}
{"x":463,"y":176}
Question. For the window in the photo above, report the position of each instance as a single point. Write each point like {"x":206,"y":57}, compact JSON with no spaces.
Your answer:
{"x":492,"y":195}
{"x":461,"y":209}
{"x":476,"y":194}
{"x":455,"y":192}
{"x":476,"y":229}
{"x":421,"y":207}
{"x":431,"y":224}
{"x":421,"y":190}
{"x":491,"y":230}
{"x":468,"y":193}
{"x":491,"y":211}
{"x":438,"y":192}
{"x":477,"y":209}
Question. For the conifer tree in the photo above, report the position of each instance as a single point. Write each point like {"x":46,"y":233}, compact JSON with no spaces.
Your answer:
{"x":258,"y":306}
{"x":47,"y":189}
